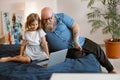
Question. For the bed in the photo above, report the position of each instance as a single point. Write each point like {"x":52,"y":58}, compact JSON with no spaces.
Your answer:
{"x":32,"y":71}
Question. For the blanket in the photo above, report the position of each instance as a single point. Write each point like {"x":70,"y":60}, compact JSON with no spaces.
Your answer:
{"x":32,"y":71}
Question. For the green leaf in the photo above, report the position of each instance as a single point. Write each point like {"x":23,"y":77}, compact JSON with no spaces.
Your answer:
{"x":91,"y":2}
{"x":103,"y":1}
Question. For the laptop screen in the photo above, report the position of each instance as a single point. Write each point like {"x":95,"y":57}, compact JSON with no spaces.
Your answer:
{"x":57,"y":57}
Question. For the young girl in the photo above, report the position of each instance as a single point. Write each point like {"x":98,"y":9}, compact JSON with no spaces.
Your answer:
{"x":34,"y":45}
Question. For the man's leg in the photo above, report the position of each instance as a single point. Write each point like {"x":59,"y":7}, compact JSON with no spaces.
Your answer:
{"x":95,"y":49}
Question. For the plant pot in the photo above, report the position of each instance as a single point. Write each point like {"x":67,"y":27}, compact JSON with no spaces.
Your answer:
{"x":112,"y":49}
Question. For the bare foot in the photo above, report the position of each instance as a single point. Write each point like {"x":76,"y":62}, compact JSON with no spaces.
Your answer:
{"x":113,"y":72}
{"x":4,"y":59}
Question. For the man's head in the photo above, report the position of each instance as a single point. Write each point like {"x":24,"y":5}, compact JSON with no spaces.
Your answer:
{"x":48,"y":19}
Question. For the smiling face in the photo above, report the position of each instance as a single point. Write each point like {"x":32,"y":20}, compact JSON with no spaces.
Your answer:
{"x":48,"y":19}
{"x":33,"y":26}
{"x":33,"y":22}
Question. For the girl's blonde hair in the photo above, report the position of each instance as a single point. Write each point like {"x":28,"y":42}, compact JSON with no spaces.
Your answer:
{"x":31,"y":18}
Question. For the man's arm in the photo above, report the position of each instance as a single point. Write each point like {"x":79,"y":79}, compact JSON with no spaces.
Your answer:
{"x":75,"y":31}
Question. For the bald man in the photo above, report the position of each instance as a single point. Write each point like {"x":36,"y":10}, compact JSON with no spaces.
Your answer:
{"x":49,"y":20}
{"x":63,"y":32}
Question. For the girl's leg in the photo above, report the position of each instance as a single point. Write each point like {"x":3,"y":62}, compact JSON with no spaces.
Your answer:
{"x":23,"y":59}
{"x":5,"y":59}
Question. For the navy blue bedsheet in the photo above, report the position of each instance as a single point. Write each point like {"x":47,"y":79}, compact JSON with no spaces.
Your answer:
{"x":31,"y":71}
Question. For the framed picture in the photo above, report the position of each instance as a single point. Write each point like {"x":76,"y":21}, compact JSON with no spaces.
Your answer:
{"x":1,"y":28}
{"x":13,"y":24}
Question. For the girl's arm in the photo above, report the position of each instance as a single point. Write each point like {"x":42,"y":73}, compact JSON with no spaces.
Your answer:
{"x":44,"y":45}
{"x":23,"y":45}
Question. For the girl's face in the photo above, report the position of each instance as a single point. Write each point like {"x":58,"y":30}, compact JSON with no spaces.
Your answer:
{"x":34,"y":25}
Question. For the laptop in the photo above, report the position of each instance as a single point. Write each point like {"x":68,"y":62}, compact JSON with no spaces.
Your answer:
{"x":55,"y":58}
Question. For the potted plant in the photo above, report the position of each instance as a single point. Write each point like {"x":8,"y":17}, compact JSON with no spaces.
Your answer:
{"x":107,"y":17}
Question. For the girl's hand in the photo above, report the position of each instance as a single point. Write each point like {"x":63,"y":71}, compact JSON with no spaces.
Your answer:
{"x":20,"y":55}
{"x":48,"y":56}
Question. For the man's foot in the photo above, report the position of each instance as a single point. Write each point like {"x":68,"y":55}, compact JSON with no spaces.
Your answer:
{"x":4,"y":59}
{"x":113,"y":71}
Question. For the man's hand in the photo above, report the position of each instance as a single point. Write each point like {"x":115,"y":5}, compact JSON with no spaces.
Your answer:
{"x":77,"y":46}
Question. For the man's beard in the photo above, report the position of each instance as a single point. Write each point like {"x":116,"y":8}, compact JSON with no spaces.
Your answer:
{"x":50,"y":27}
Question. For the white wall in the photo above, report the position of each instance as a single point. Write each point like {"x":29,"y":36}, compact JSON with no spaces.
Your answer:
{"x":37,"y":5}
{"x":6,"y":5}
{"x":77,"y":9}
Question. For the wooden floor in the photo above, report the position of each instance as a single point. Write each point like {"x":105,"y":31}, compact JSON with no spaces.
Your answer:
{"x":115,"y":63}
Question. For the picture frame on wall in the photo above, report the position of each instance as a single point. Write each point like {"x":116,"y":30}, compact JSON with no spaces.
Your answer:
{"x":1,"y":28}
{"x":13,"y":25}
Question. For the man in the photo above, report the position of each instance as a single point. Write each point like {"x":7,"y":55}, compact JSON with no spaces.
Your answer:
{"x":63,"y":32}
